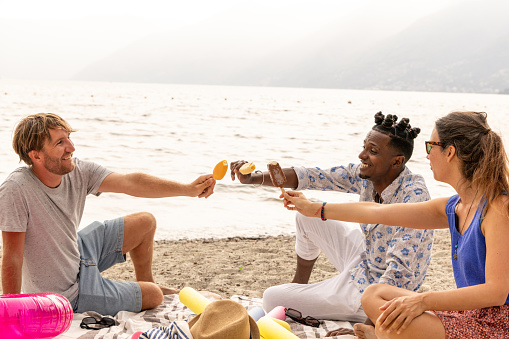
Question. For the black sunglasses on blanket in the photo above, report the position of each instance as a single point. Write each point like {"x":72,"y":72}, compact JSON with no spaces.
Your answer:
{"x":297,"y":316}
{"x":91,"y":323}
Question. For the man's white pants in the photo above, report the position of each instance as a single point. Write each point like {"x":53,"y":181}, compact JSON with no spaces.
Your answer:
{"x":336,"y":298}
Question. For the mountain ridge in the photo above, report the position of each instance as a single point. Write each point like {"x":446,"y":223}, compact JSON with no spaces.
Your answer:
{"x":463,"y":48}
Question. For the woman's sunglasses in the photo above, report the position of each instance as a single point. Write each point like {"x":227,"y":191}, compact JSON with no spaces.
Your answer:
{"x":430,"y":144}
{"x":297,"y":316}
{"x":91,"y":323}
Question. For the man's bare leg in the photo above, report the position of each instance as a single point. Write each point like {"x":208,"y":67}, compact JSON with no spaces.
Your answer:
{"x":139,"y":232}
{"x":303,"y":270}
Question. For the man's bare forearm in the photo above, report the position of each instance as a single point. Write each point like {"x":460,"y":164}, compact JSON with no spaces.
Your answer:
{"x":11,"y":276}
{"x":264,"y":178}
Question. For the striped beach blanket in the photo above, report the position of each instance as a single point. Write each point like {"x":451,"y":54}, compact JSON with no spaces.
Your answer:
{"x":173,"y":310}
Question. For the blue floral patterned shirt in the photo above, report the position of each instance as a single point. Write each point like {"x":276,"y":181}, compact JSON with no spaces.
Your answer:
{"x":396,"y":256}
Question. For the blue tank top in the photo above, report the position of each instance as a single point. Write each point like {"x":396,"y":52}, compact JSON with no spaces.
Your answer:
{"x":469,"y":268}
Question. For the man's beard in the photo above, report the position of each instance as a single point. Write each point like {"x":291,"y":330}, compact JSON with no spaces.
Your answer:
{"x":55,"y":166}
{"x":363,"y":176}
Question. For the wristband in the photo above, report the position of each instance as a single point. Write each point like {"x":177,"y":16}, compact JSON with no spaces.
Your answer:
{"x":321,"y":214}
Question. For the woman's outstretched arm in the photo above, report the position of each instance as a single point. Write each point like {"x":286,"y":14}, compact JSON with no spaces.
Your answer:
{"x":423,"y":215}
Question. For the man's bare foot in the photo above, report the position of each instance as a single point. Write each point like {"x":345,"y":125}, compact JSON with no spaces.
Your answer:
{"x":340,"y":331}
{"x":167,"y":290}
{"x":363,"y":331}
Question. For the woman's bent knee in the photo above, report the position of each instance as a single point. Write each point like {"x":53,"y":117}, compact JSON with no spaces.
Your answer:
{"x":371,"y":291}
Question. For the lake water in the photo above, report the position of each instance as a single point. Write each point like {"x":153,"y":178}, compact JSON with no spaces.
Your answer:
{"x":181,"y":131}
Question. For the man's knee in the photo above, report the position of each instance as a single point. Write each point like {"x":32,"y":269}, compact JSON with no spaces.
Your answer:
{"x":305,"y":244}
{"x":148,"y":219}
{"x":272,"y":297}
{"x":142,"y":220}
{"x":307,"y":227}
{"x":301,"y":221}
{"x":151,"y":295}
{"x":267,"y":299}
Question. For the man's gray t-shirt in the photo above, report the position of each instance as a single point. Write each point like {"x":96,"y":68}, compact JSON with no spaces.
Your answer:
{"x":50,"y":217}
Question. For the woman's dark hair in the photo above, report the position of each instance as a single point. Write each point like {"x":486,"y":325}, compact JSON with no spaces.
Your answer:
{"x":401,"y":133}
{"x":484,"y":162}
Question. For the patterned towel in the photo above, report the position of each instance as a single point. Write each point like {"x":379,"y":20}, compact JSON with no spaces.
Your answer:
{"x":172,"y":309}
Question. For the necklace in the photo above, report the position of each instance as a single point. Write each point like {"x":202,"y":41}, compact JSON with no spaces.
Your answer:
{"x":455,"y":256}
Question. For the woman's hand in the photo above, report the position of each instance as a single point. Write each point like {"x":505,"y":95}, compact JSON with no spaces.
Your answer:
{"x":296,"y":201}
{"x":399,"y":312}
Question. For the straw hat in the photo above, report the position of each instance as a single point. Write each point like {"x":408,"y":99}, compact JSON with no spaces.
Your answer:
{"x":224,"y":319}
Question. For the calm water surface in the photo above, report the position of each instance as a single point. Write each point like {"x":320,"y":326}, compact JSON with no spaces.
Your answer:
{"x":181,"y":131}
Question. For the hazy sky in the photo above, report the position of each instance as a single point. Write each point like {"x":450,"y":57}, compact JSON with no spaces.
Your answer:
{"x":54,"y":39}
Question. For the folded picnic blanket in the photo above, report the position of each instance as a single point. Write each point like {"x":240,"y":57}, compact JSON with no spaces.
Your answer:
{"x":173,"y":310}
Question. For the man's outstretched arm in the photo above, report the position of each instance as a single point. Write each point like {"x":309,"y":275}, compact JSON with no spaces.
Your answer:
{"x":148,"y":186}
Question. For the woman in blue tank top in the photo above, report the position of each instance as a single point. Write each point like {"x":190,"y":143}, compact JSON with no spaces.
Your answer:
{"x":465,"y":153}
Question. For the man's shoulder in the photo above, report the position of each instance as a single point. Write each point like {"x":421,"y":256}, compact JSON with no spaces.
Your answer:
{"x":407,"y":178}
{"x":337,"y":178}
{"x":412,"y":187}
{"x":19,"y":175}
{"x":349,"y":170}
{"x":350,"y":166}
{"x":80,"y":163}
{"x":18,"y":182}
{"x":83,"y":166}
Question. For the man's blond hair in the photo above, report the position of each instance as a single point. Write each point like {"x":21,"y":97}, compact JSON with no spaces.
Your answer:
{"x":32,"y":131}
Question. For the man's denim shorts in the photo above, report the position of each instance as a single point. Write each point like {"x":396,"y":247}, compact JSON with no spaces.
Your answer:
{"x":100,"y":246}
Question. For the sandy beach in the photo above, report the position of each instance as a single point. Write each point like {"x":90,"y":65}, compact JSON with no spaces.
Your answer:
{"x":247,"y":266}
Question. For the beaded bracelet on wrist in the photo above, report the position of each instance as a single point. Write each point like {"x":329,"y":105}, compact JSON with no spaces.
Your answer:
{"x":322,"y":212}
